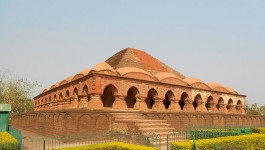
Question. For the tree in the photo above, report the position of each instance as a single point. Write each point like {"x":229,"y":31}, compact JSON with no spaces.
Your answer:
{"x":255,"y":109}
{"x":17,"y":92}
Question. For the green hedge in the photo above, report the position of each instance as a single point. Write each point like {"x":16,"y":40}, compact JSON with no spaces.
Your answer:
{"x":110,"y":146}
{"x":248,"y":142}
{"x":7,"y":141}
{"x":258,"y":130}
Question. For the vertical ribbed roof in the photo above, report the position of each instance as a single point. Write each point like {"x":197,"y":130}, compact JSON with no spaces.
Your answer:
{"x":131,"y":57}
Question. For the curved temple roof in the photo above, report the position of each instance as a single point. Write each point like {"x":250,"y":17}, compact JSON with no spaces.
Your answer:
{"x":135,"y":61}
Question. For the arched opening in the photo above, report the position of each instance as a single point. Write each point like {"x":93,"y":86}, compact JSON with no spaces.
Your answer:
{"x":108,"y":97}
{"x":239,"y":104}
{"x":230,"y":102}
{"x":85,"y":92}
{"x":150,"y":100}
{"x":54,"y":98}
{"x":75,"y":94}
{"x":169,"y":95}
{"x":209,"y":102}
{"x":50,"y":99}
{"x":67,"y":94}
{"x":61,"y":97}
{"x":131,"y":97}
{"x":220,"y":102}
{"x":184,"y":96}
{"x":197,"y":99}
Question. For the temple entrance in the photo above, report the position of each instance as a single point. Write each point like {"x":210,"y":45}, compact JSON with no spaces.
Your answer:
{"x":131,"y":97}
{"x":169,"y":95}
{"x":220,"y":102}
{"x":108,"y":97}
{"x":150,"y":100}
{"x":184,"y":96}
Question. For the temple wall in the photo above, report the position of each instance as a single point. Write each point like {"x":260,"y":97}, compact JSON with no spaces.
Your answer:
{"x":77,"y":121}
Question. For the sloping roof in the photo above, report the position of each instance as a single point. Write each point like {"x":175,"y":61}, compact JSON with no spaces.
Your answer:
{"x":130,"y":57}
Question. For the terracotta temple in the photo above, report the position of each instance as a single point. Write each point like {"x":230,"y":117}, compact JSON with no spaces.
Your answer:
{"x":134,"y":80}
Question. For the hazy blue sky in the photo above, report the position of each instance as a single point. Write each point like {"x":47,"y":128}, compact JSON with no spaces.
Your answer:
{"x":221,"y":41}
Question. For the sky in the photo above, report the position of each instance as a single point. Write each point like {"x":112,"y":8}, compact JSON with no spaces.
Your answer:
{"x":216,"y":41}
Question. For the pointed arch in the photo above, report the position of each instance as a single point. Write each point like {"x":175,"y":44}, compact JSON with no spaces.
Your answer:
{"x":239,"y":104}
{"x":197,"y":99}
{"x":168,"y":97}
{"x":67,"y":95}
{"x":130,"y":99}
{"x":209,"y":102}
{"x":61,"y":97}
{"x":55,"y":98}
{"x":220,"y":102}
{"x":75,"y":93}
{"x":183,"y":97}
{"x":108,"y":96}
{"x":150,"y":100}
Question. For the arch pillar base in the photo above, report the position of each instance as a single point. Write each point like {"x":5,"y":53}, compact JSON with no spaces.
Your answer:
{"x":188,"y":105}
{"x":119,"y":102}
{"x":83,"y":102}
{"x":174,"y":106}
{"x":95,"y":102}
{"x":158,"y":105}
{"x":201,"y":107}
{"x":140,"y":104}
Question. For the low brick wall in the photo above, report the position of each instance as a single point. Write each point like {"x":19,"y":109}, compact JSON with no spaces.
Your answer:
{"x":80,"y":121}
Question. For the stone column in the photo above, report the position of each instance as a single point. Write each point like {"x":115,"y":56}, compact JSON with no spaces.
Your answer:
{"x":240,"y":110}
{"x":140,"y":103}
{"x":95,"y":102}
{"x":188,"y":105}
{"x":231,"y":108}
{"x":119,"y":102}
{"x":74,"y":102}
{"x":201,"y":106}
{"x":222,"y":108}
{"x":212,"y":107}
{"x":158,"y":105}
{"x":174,"y":105}
{"x":83,"y":102}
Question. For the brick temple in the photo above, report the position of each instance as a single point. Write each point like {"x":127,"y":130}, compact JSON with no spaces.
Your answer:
{"x":133,"y":79}
{"x":133,"y":91}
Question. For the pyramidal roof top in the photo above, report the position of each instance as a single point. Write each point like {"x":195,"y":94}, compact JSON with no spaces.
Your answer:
{"x":131,"y":57}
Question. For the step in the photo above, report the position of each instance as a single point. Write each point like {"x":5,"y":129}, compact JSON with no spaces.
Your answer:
{"x":140,"y":120}
{"x":154,"y":124}
{"x":155,"y":129}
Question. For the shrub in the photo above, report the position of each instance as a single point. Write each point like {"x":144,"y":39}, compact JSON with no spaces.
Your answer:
{"x":110,"y":146}
{"x":7,"y":141}
{"x":258,"y":130}
{"x":254,"y":141}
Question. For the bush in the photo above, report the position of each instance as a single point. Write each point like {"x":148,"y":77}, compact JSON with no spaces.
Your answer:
{"x":254,"y":141}
{"x":7,"y":141}
{"x":110,"y":146}
{"x":258,"y":130}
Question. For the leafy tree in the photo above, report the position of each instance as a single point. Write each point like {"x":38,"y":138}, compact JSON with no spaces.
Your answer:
{"x":17,"y":92}
{"x":255,"y":109}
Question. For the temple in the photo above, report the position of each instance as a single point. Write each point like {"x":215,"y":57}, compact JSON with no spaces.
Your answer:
{"x":134,"y":80}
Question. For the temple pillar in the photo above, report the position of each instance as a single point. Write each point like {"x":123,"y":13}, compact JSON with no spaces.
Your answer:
{"x":240,"y":110}
{"x":119,"y":102}
{"x":83,"y":102}
{"x":222,"y":108}
{"x":188,"y":105}
{"x":231,"y":108}
{"x":95,"y":102}
{"x":158,"y":105}
{"x":211,"y":107}
{"x":140,"y":103}
{"x":174,"y":106}
{"x":74,"y":102}
{"x":201,"y":106}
